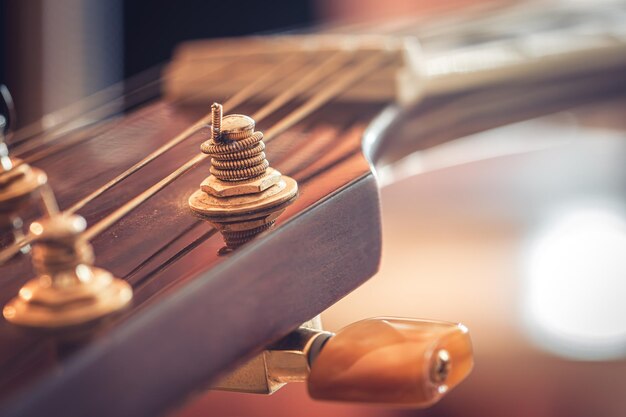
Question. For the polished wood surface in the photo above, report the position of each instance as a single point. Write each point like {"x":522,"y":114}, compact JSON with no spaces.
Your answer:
{"x":197,"y":314}
{"x":170,"y":257}
{"x":184,"y":291}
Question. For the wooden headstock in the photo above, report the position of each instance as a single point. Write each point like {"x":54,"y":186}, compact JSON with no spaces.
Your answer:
{"x":197,"y":311}
{"x":191,"y":303}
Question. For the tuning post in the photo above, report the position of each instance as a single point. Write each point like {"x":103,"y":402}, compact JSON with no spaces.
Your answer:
{"x":68,"y":290}
{"x":243,"y":195}
{"x":396,"y":361}
{"x":19,"y":182}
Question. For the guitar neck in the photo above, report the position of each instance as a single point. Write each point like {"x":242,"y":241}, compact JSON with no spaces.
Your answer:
{"x":437,"y":119}
{"x":453,"y":54}
{"x":473,"y":76}
{"x":521,"y":45}
{"x":209,"y":293}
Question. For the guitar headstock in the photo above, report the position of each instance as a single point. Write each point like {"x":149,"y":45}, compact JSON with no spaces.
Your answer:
{"x":196,"y":309}
{"x":210,"y":291}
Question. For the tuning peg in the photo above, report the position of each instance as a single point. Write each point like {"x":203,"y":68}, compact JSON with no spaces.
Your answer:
{"x":383,"y":360}
{"x":392,"y":361}
{"x":68,"y":290}
{"x":243,"y":196}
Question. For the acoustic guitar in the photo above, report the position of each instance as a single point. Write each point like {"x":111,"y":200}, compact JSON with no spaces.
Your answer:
{"x":183,"y":232}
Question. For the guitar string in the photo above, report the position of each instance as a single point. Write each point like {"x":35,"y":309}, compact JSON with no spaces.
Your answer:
{"x":237,"y":99}
{"x":296,"y":173}
{"x":73,"y":138}
{"x":52,"y":124}
{"x":67,"y":115}
{"x":92,"y":133}
{"x":334,"y":63}
{"x":101,"y":104}
{"x":317,"y":100}
{"x":55,"y":132}
{"x":323,"y":96}
{"x":303,"y":84}
{"x":312,"y":104}
{"x":58,"y":119}
{"x":95,"y":130}
{"x":100,"y":114}
{"x":102,"y":109}
{"x":98,"y":129}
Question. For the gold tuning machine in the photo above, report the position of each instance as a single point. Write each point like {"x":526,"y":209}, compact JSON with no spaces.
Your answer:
{"x":393,"y":361}
{"x":68,"y":290}
{"x":243,"y":196}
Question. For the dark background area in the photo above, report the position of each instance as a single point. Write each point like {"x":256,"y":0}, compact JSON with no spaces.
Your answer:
{"x":3,"y":40}
{"x":153,"y":28}
{"x":88,"y":33}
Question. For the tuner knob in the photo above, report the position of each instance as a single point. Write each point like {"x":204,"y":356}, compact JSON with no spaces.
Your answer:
{"x":391,"y":361}
{"x":243,"y":196}
{"x":69,"y":290}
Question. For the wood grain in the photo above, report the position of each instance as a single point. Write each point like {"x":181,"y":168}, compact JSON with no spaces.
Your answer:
{"x":195,"y":313}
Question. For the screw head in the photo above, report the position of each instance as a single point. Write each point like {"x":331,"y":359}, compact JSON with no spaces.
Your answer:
{"x":441,"y":366}
{"x":237,"y":126}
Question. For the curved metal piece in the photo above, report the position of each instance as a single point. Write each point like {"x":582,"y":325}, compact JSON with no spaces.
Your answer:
{"x":7,"y":111}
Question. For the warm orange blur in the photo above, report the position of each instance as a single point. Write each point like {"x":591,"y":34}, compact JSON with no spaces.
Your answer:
{"x":375,"y":10}
{"x":456,"y":240}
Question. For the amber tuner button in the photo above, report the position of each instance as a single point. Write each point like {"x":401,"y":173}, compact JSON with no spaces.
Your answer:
{"x":392,"y":361}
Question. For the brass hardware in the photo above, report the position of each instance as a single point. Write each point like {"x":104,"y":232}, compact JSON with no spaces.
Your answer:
{"x":68,"y":289}
{"x":386,"y":360}
{"x":243,"y":196}
{"x":441,"y":366}
{"x":19,"y":182}
{"x":284,"y":362}
{"x":236,"y":150}
{"x":216,"y":120}
{"x":238,"y":230}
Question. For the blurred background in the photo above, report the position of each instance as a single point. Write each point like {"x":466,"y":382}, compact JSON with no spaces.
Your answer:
{"x":55,"y":52}
{"x":519,"y":232}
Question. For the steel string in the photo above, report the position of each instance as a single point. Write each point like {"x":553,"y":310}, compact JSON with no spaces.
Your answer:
{"x":330,"y":90}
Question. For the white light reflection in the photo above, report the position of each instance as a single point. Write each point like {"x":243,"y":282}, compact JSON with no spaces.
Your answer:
{"x":575,"y":281}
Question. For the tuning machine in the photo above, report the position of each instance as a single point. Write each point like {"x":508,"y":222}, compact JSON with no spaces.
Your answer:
{"x":68,"y":290}
{"x":393,"y":361}
{"x":243,"y":196}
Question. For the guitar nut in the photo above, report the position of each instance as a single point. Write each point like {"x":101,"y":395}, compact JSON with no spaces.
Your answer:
{"x":218,"y":188}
